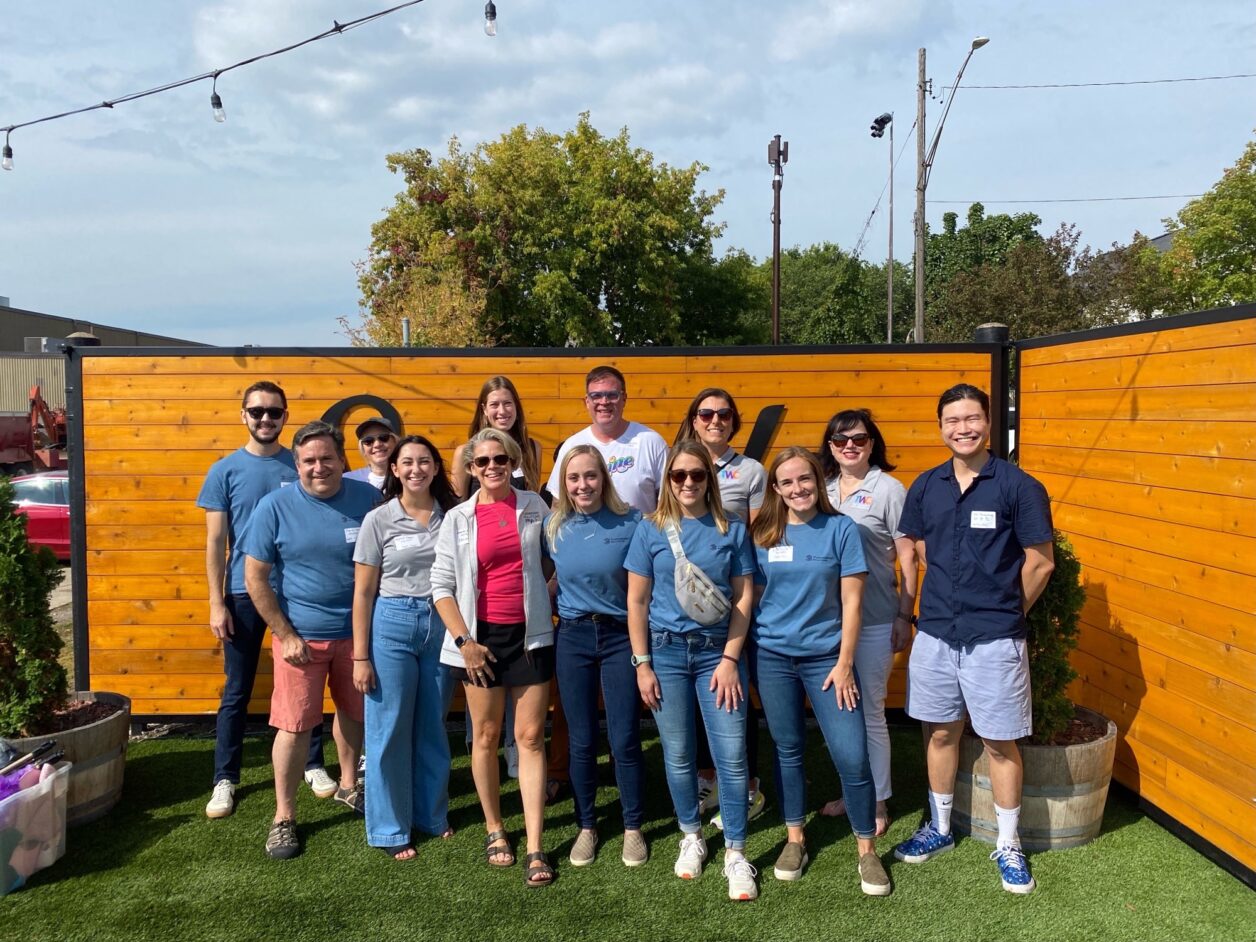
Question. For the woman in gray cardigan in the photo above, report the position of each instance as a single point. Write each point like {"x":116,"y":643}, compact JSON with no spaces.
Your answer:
{"x":489,"y":586}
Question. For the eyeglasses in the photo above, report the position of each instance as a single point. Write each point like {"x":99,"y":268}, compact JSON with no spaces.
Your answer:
{"x":678,"y":476}
{"x":605,"y":395}
{"x":858,"y":440}
{"x":274,"y":413}
{"x":482,"y":461}
{"x":370,"y":440}
{"x":706,"y":415}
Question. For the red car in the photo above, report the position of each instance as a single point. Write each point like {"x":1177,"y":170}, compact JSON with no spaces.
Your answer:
{"x":45,"y":499}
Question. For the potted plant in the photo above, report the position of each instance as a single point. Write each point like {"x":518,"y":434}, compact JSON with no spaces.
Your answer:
{"x":35,"y":704}
{"x":1068,"y":760}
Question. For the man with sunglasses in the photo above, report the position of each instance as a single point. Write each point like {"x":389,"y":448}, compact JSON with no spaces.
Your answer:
{"x":635,"y":455}
{"x":232,"y":489}
{"x":376,"y":438}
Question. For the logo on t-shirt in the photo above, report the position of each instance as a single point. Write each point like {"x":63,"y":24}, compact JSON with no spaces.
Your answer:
{"x":621,"y":464}
{"x":608,"y":540}
{"x":860,"y":500}
{"x":729,"y":474}
{"x":817,"y":558}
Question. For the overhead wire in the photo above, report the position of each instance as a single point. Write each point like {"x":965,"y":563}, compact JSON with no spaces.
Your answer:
{"x":859,"y":243}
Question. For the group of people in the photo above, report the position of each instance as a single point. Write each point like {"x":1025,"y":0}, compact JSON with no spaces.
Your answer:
{"x":681,"y":578}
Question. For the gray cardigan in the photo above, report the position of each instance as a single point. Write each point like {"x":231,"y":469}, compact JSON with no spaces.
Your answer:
{"x":456,"y":567}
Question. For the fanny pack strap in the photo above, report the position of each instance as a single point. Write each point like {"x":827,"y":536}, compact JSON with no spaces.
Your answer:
{"x":673,"y":537}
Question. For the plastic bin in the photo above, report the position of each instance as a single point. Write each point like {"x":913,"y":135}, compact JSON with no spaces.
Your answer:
{"x":32,"y":829}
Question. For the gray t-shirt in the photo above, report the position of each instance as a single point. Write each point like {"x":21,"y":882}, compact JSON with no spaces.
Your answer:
{"x":401,"y":548}
{"x":875,"y":508}
{"x":743,"y":482}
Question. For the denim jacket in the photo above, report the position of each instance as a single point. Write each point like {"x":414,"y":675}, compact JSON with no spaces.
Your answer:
{"x":455,"y":570}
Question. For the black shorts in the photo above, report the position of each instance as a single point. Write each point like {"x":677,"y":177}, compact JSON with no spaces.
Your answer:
{"x":515,"y":666}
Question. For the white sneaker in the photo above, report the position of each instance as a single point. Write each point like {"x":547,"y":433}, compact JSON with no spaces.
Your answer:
{"x":512,"y":759}
{"x":222,"y":803}
{"x":322,"y":784}
{"x":740,"y":875}
{"x":708,"y":794}
{"x":692,"y":854}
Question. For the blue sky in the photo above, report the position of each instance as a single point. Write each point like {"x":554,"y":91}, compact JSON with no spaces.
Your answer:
{"x":152,"y":216}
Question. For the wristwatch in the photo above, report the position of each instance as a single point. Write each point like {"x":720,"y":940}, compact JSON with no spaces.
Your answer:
{"x":910,"y":619}
{"x":638,"y":659}
{"x":461,"y":640}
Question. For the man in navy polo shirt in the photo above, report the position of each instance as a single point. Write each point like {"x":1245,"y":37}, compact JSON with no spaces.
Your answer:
{"x":308,"y":533}
{"x":983,"y":527}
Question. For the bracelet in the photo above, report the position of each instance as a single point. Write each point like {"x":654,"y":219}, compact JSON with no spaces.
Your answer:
{"x":729,"y":657}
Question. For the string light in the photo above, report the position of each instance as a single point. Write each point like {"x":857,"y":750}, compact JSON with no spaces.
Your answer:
{"x":215,"y":101}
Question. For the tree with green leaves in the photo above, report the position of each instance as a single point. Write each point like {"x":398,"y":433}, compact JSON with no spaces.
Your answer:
{"x":540,"y":239}
{"x":984,"y":243}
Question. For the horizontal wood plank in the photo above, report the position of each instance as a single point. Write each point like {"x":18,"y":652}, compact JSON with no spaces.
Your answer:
{"x":1228,"y":438}
{"x":1230,"y":515}
{"x":1223,"y":477}
{"x":1226,"y":335}
{"x":1193,"y":369}
{"x":1207,"y":403}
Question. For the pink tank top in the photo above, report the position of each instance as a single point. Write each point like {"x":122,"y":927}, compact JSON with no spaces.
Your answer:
{"x":500,"y":560}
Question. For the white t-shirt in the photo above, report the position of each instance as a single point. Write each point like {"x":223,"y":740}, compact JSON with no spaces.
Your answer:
{"x":635,"y":460}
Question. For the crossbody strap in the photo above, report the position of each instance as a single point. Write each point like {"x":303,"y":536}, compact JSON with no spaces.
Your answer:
{"x":673,"y":537}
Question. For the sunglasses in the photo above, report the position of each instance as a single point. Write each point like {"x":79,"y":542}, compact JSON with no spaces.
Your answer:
{"x":274,"y":413}
{"x":608,"y":395}
{"x":858,"y":440}
{"x":483,"y":461}
{"x":370,"y":440}
{"x":678,"y":477}
{"x":706,"y":415}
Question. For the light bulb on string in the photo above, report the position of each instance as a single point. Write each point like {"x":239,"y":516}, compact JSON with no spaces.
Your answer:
{"x":215,"y":102}
{"x":490,"y":19}
{"x":7,"y":161}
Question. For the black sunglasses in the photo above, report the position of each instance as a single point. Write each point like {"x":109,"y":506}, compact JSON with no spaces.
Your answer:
{"x":678,"y":476}
{"x":706,"y":415}
{"x":858,"y":440}
{"x":482,"y":461}
{"x":370,"y":440}
{"x":271,"y":412}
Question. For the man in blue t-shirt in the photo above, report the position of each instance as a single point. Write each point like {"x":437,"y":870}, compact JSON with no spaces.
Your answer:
{"x":307,"y":534}
{"x":983,"y":527}
{"x":232,"y":489}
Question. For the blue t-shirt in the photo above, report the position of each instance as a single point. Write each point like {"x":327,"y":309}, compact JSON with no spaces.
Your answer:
{"x":720,"y":555}
{"x":235,"y":485}
{"x":975,"y":549}
{"x":800,"y":611}
{"x":589,"y":561}
{"x":311,"y":542}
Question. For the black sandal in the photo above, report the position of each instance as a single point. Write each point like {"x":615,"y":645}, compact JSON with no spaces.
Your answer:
{"x":536,"y":866}
{"x":400,"y":849}
{"x":491,"y":851}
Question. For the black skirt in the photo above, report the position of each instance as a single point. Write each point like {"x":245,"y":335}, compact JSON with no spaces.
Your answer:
{"x":515,"y":666}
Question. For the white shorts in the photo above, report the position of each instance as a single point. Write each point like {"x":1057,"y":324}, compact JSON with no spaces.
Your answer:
{"x":988,"y":681}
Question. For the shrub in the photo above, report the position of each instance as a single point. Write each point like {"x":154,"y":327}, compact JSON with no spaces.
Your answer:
{"x":1052,"y":635}
{"x":32,"y":680}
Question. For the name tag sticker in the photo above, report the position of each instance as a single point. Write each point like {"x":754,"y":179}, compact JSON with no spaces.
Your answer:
{"x":406,"y":541}
{"x":983,"y":520}
{"x":351,"y":534}
{"x":781,"y":554}
{"x":285,"y":483}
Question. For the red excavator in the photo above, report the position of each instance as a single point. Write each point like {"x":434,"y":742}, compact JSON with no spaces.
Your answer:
{"x":34,"y":441}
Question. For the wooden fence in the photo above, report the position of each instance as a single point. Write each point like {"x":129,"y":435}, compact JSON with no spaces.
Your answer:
{"x":1145,"y":437}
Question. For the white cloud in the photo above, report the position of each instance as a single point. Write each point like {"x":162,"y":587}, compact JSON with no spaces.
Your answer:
{"x":812,"y":27}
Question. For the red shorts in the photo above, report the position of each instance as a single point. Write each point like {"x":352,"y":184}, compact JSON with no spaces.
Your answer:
{"x":297,"y":701}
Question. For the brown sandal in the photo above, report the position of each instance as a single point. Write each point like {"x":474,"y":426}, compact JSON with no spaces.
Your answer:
{"x":491,"y":850}
{"x":537,"y":871}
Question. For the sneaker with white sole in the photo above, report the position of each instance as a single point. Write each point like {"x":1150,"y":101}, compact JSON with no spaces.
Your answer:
{"x":584,"y":850}
{"x":322,"y":784}
{"x":1014,"y":869}
{"x":792,"y":861}
{"x":873,"y":879}
{"x":755,"y":803}
{"x":708,"y":794}
{"x":925,"y":844}
{"x":741,"y":878}
{"x":635,"y":851}
{"x":693,"y":851}
{"x":222,"y":802}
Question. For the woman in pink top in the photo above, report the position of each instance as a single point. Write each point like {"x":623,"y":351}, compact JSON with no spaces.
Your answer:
{"x":489,"y":586}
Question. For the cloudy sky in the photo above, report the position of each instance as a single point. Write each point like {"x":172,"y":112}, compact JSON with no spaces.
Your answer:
{"x":153,"y":216}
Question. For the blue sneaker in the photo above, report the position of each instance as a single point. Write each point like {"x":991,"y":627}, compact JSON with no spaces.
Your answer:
{"x":925,"y":843}
{"x":1014,"y":869}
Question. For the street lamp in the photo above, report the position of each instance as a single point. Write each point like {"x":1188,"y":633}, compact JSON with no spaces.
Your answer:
{"x":924,"y":165}
{"x":879,"y":125}
{"x":778,"y":156}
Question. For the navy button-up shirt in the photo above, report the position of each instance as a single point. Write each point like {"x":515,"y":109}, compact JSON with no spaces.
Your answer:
{"x":974,"y":549}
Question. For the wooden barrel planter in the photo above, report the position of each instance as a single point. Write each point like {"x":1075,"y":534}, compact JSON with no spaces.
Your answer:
{"x":1065,"y":790}
{"x":98,"y":752}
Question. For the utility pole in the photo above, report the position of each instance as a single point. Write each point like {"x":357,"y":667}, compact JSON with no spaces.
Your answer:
{"x":778,"y":156}
{"x":919,"y":263}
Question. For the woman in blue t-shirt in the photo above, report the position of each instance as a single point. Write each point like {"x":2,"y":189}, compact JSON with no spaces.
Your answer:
{"x":587,"y":537}
{"x":679,"y":659}
{"x":808,"y":589}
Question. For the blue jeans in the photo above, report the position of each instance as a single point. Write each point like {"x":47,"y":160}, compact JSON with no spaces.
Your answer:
{"x":407,"y":747}
{"x":588,"y":650}
{"x":782,"y":683}
{"x":684,"y":664}
{"x":240,"y":654}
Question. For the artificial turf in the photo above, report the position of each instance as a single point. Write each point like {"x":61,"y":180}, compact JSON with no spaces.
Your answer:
{"x":156,"y":868}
